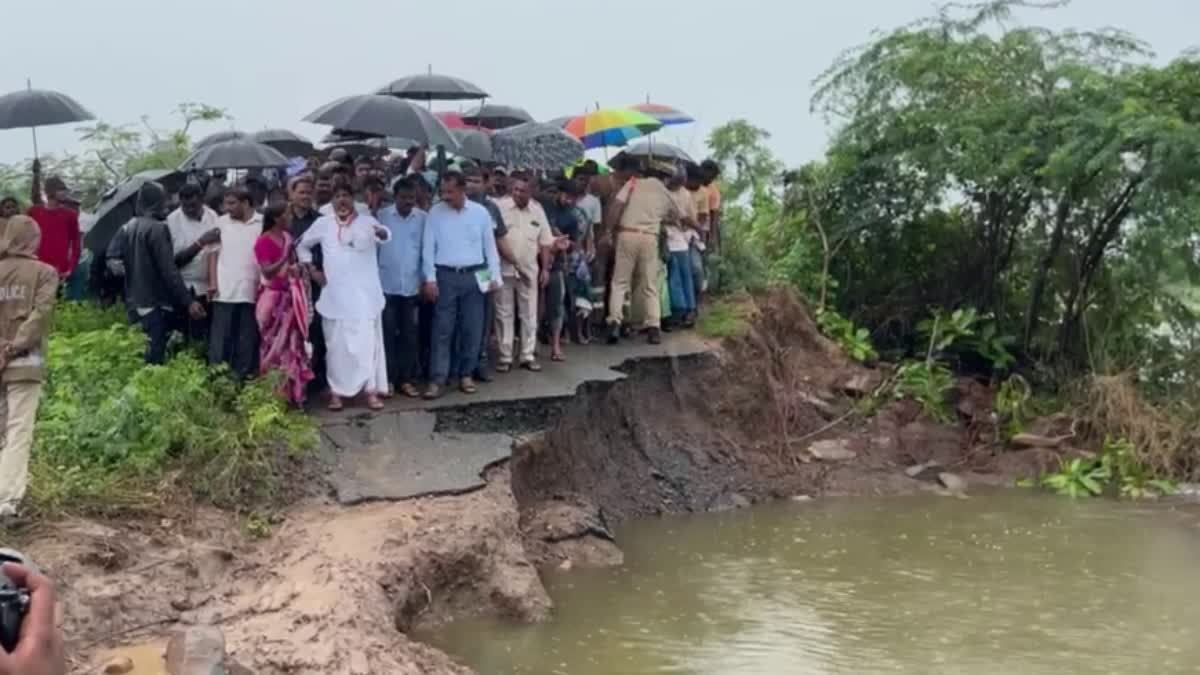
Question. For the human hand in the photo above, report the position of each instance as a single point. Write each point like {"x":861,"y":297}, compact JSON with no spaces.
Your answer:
{"x":209,"y":238}
{"x":40,"y":649}
{"x":544,"y":278}
{"x":319,"y":277}
{"x":196,"y":311}
{"x":213,"y":293}
{"x":430,"y":291}
{"x":493,"y":285}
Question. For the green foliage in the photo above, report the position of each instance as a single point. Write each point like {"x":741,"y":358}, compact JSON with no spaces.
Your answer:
{"x":855,"y":341}
{"x":1013,"y":406}
{"x":926,"y":382}
{"x":722,"y":318}
{"x":111,"y":430}
{"x":1117,"y":467}
{"x":964,"y":331}
{"x":1039,"y":176}
{"x":1079,"y":478}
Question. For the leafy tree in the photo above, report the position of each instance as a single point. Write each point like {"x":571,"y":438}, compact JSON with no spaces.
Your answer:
{"x":1025,"y":159}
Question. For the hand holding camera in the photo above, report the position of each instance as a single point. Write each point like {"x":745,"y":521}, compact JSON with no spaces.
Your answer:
{"x":30,"y":644}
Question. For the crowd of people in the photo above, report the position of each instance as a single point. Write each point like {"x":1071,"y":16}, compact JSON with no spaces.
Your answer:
{"x":368,"y":277}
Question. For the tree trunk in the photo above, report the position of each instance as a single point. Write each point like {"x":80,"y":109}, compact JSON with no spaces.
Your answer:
{"x":1102,"y":235}
{"x":1061,"y":215}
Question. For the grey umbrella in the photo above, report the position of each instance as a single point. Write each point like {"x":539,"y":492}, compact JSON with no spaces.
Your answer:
{"x":432,"y":87}
{"x":287,"y":142}
{"x":239,"y":153}
{"x":474,"y":143}
{"x":536,"y":146}
{"x":384,"y":116}
{"x":116,"y":206}
{"x":39,"y":108}
{"x":495,"y":116}
{"x":219,"y":137}
{"x":657,"y":149}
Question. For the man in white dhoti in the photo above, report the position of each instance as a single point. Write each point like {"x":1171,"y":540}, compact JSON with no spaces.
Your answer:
{"x":351,"y":303}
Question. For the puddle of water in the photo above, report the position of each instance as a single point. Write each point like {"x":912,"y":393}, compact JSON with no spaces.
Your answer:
{"x":147,"y":658}
{"x":1009,"y":583}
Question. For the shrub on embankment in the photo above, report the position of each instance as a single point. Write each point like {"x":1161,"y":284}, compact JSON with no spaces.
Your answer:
{"x":116,"y":436}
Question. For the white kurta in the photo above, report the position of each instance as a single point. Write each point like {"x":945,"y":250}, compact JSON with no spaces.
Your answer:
{"x":351,"y":303}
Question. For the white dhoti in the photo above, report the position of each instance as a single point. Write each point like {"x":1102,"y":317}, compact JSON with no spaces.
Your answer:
{"x":354,"y":356}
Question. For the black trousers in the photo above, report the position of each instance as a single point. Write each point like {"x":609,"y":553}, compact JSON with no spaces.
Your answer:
{"x":401,"y":339}
{"x":157,"y":326}
{"x":233,"y":338}
{"x":425,"y":312}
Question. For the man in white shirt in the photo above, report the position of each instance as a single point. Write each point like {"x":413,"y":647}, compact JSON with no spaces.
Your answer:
{"x":530,"y":239}
{"x":193,"y":227}
{"x":233,"y":274}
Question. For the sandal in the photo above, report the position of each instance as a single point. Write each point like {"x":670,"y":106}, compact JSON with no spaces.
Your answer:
{"x":503,"y":367}
{"x":467,"y":386}
{"x":374,"y":403}
{"x":335,"y":403}
{"x":409,"y":390}
{"x":532,"y":366}
{"x":558,"y":357}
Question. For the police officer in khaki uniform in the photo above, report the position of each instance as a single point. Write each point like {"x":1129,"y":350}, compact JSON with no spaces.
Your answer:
{"x":639,"y":210}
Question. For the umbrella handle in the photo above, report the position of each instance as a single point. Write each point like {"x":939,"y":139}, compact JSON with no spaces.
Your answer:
{"x":33,"y":130}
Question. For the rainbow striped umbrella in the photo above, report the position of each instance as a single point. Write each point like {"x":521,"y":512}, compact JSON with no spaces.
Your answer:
{"x":664,"y":113}
{"x":611,"y":126}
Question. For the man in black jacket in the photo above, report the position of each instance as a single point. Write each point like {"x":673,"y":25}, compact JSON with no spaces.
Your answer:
{"x":154,"y":287}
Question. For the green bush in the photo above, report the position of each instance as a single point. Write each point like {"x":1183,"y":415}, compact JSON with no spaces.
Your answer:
{"x":111,"y":431}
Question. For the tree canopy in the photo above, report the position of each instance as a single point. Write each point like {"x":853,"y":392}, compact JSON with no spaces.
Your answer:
{"x":1047,"y":179}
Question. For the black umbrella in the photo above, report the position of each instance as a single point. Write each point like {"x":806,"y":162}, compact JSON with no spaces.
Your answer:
{"x":473,"y":143}
{"x":220,"y":137}
{"x":495,"y":116}
{"x":384,"y":116}
{"x":116,"y":206}
{"x":656,"y":149}
{"x":287,"y":142}
{"x":39,"y":108}
{"x":431,"y":87}
{"x":365,"y":144}
{"x":240,"y":153}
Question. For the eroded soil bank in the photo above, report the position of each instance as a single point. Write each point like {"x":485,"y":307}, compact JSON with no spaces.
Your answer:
{"x":335,"y":589}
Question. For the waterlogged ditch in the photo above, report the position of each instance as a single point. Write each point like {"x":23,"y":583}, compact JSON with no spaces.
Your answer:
{"x":1002,"y":583}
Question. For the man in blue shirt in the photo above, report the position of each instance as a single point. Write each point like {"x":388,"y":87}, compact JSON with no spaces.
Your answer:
{"x":459,"y":263}
{"x":400,"y":274}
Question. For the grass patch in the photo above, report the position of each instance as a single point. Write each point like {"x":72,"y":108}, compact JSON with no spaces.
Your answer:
{"x":116,"y":436}
{"x":728,"y":316}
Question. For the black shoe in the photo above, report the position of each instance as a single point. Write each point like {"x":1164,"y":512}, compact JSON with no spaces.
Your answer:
{"x":614,"y":334}
{"x":667,"y":327}
{"x":654,"y":336}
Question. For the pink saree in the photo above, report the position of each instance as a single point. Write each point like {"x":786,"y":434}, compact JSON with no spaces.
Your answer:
{"x":283,"y":313}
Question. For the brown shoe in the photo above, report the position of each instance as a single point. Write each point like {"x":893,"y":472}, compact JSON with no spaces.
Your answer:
{"x":409,"y":390}
{"x":432,"y":392}
{"x":467,"y":385}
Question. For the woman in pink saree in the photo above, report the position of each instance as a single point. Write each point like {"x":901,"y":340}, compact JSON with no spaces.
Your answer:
{"x":283,"y":308}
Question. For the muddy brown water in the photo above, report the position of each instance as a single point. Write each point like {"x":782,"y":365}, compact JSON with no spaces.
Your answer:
{"x":1012,"y":582}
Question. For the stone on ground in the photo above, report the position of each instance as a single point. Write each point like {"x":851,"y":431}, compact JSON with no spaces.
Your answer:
{"x":198,"y":650}
{"x":837,"y":450}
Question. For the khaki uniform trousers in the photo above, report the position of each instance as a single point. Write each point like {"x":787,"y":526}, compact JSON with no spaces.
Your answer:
{"x":20,"y":400}
{"x":637,"y":265}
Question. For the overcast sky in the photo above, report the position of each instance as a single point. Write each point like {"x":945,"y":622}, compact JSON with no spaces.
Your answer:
{"x":270,"y":62}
